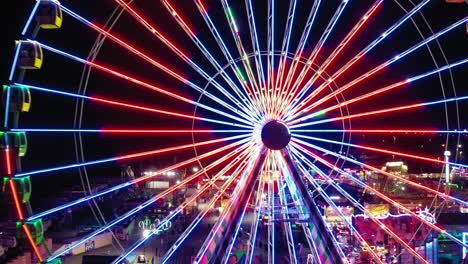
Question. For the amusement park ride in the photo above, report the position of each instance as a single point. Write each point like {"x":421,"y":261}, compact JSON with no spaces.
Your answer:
{"x":276,"y":100}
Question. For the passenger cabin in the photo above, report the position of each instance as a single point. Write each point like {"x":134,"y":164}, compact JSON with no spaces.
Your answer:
{"x":30,"y":55}
{"x":19,"y":98}
{"x":16,"y":141}
{"x":49,"y":15}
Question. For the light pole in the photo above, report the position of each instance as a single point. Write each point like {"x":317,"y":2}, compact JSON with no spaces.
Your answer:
{"x":447,"y":171}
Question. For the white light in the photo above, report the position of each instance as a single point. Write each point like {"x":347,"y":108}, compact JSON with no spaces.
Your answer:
{"x":334,"y":197}
{"x":178,"y":182}
{"x":447,"y":153}
{"x":146,"y":232}
{"x":195,"y":169}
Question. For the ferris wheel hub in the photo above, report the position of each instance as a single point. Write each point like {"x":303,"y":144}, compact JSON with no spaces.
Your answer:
{"x":275,"y":135}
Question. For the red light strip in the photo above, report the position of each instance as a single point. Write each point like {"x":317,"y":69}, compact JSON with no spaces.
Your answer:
{"x":8,"y":161}
{"x":335,"y":53}
{"x":159,"y":151}
{"x":175,"y":14}
{"x":16,"y":199}
{"x":158,"y":131}
{"x":32,"y":242}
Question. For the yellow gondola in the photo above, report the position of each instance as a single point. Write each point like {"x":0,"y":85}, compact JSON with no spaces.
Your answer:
{"x":30,"y":55}
{"x":49,"y":15}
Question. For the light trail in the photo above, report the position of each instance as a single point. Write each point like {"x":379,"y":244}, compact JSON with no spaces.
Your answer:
{"x":393,"y":176}
{"x":124,"y":104}
{"x":128,"y":156}
{"x":381,"y":90}
{"x":142,"y":179}
{"x":140,"y":82}
{"x":381,"y":111}
{"x":123,"y":217}
{"x":371,"y":72}
{"x":358,"y":205}
{"x":387,"y":199}
{"x":402,"y":154}
{"x":179,"y":209}
{"x":356,"y":29}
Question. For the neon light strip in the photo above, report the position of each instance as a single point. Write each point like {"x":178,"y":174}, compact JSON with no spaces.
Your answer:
{"x":384,"y":197}
{"x":126,"y":215}
{"x":141,"y":83}
{"x":233,"y":64}
{"x":381,"y":111}
{"x":205,"y":211}
{"x":240,"y":186}
{"x":402,"y":131}
{"x":357,"y":204}
{"x":7,"y":107}
{"x":414,"y":184}
{"x":383,"y":151}
{"x":15,"y":61}
{"x":380,"y":67}
{"x":126,"y":131}
{"x":142,"y":179}
{"x":318,"y":47}
{"x":170,"y":217}
{"x":126,"y":105}
{"x":407,"y":16}
{"x":31,"y":15}
{"x":302,"y":42}
{"x":212,"y":60}
{"x":332,"y":56}
{"x":125,"y":157}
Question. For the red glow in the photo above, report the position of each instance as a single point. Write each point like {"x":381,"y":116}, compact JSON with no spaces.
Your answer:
{"x":202,"y":6}
{"x":8,"y":161}
{"x":391,"y":131}
{"x":158,"y":131}
{"x":138,"y":107}
{"x":16,"y":199}
{"x":152,"y":29}
{"x":139,"y":82}
{"x":31,"y":241}
{"x":176,"y":15}
{"x":159,"y":151}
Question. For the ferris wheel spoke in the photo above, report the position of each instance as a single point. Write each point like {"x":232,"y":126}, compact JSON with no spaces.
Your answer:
{"x":302,"y":42}
{"x":383,"y":131}
{"x":387,"y":199}
{"x":381,"y":90}
{"x":124,"y":104}
{"x":381,"y":111}
{"x":131,"y":156}
{"x":256,"y":89}
{"x":142,"y":83}
{"x":154,"y":62}
{"x":233,"y":64}
{"x":142,"y":206}
{"x":318,"y":47}
{"x":350,"y":198}
{"x":127,"y":131}
{"x":243,"y":159}
{"x":186,"y":203}
{"x":245,"y":183}
{"x":372,"y":71}
{"x":353,"y":32}
{"x":258,"y":207}
{"x":393,"y":176}
{"x":278,"y":95}
{"x":270,"y":87}
{"x":255,"y":46}
{"x":373,"y":149}
{"x":213,"y":61}
{"x":147,"y":177}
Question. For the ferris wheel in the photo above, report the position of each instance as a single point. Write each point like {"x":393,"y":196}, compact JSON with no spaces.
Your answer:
{"x":303,"y":126}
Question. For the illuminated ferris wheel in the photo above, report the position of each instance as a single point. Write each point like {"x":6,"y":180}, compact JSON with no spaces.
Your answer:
{"x":299,"y":118}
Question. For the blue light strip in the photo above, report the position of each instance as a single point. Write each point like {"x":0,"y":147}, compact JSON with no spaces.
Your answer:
{"x":47,"y":90}
{"x":356,"y":146}
{"x":33,"y":13}
{"x":77,"y":165}
{"x":376,"y":111}
{"x":365,"y":186}
{"x":7,"y":107}
{"x":46,"y":130}
{"x":139,"y":82}
{"x":15,"y":60}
